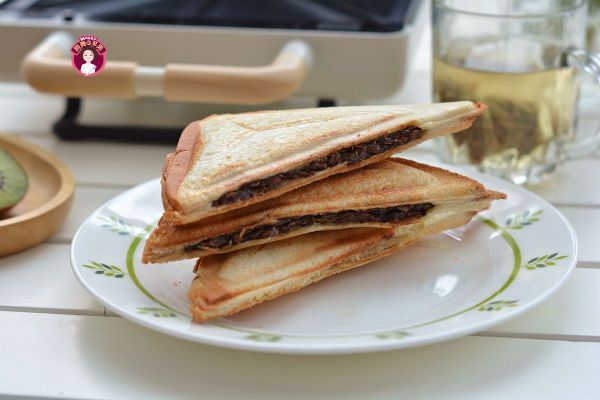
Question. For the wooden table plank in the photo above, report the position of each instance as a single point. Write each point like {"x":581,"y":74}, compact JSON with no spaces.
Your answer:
{"x":570,"y":313}
{"x":40,"y":279}
{"x":96,"y":357}
{"x":586,"y":222}
{"x":87,"y":200}
{"x":107,"y":164}
{"x":575,"y":183}
{"x":24,"y":110}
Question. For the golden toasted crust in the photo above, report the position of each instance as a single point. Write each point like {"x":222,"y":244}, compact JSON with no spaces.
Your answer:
{"x":195,"y":178}
{"x":228,"y":283}
{"x":178,"y":164}
{"x":389,"y":183}
{"x":449,"y":179}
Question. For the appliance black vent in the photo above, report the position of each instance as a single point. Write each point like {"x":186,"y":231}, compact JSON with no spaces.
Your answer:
{"x":332,"y":15}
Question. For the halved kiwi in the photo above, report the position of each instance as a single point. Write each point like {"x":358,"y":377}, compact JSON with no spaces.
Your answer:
{"x":13,"y":181}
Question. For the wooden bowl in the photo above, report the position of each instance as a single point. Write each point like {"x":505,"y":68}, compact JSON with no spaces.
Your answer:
{"x":46,"y":203}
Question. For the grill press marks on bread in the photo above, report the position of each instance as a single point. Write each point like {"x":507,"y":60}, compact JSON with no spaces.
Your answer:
{"x":221,"y":153}
{"x":283,"y":226}
{"x":350,"y":155}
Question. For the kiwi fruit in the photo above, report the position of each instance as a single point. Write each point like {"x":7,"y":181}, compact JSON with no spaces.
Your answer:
{"x":13,"y":181}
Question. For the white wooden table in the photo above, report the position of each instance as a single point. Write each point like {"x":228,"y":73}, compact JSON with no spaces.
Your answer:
{"x":56,"y":341}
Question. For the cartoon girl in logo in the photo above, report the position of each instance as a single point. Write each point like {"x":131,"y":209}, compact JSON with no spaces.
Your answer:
{"x":88,"y":54}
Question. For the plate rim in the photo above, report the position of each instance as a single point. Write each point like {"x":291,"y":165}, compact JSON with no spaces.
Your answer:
{"x":329,"y":348}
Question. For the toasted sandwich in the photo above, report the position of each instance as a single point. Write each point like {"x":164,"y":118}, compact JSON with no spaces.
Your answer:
{"x":231,"y":282}
{"x":387,"y":194}
{"x":230,"y":161}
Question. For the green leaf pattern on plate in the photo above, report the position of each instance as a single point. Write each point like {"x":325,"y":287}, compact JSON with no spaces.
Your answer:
{"x":117,"y":225}
{"x":105,"y":269}
{"x":519,"y":221}
{"x":158,"y":312}
{"x":498,"y":305}
{"x":397,"y":335}
{"x":263,"y":337}
{"x":544,"y":261}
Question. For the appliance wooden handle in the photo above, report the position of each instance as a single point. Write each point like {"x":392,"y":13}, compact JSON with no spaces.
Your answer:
{"x":241,"y":85}
{"x":47,"y":68}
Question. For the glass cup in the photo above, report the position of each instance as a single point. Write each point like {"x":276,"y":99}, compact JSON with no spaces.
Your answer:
{"x":593,"y":25}
{"x":521,"y":58}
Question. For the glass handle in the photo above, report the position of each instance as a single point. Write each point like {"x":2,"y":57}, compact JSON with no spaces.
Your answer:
{"x":588,"y":62}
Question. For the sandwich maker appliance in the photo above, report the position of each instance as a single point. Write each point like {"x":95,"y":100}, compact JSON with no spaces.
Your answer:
{"x":209,"y":51}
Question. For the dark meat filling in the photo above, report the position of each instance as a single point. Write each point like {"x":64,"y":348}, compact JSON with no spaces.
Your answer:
{"x":283,"y":226}
{"x":351,"y":155}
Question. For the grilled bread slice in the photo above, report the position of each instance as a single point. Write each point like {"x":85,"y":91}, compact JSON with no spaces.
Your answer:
{"x":228,"y":283}
{"x":382,"y":195}
{"x":225,"y":162}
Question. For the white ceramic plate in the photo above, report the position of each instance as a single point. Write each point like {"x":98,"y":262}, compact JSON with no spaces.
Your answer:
{"x":501,"y":264}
